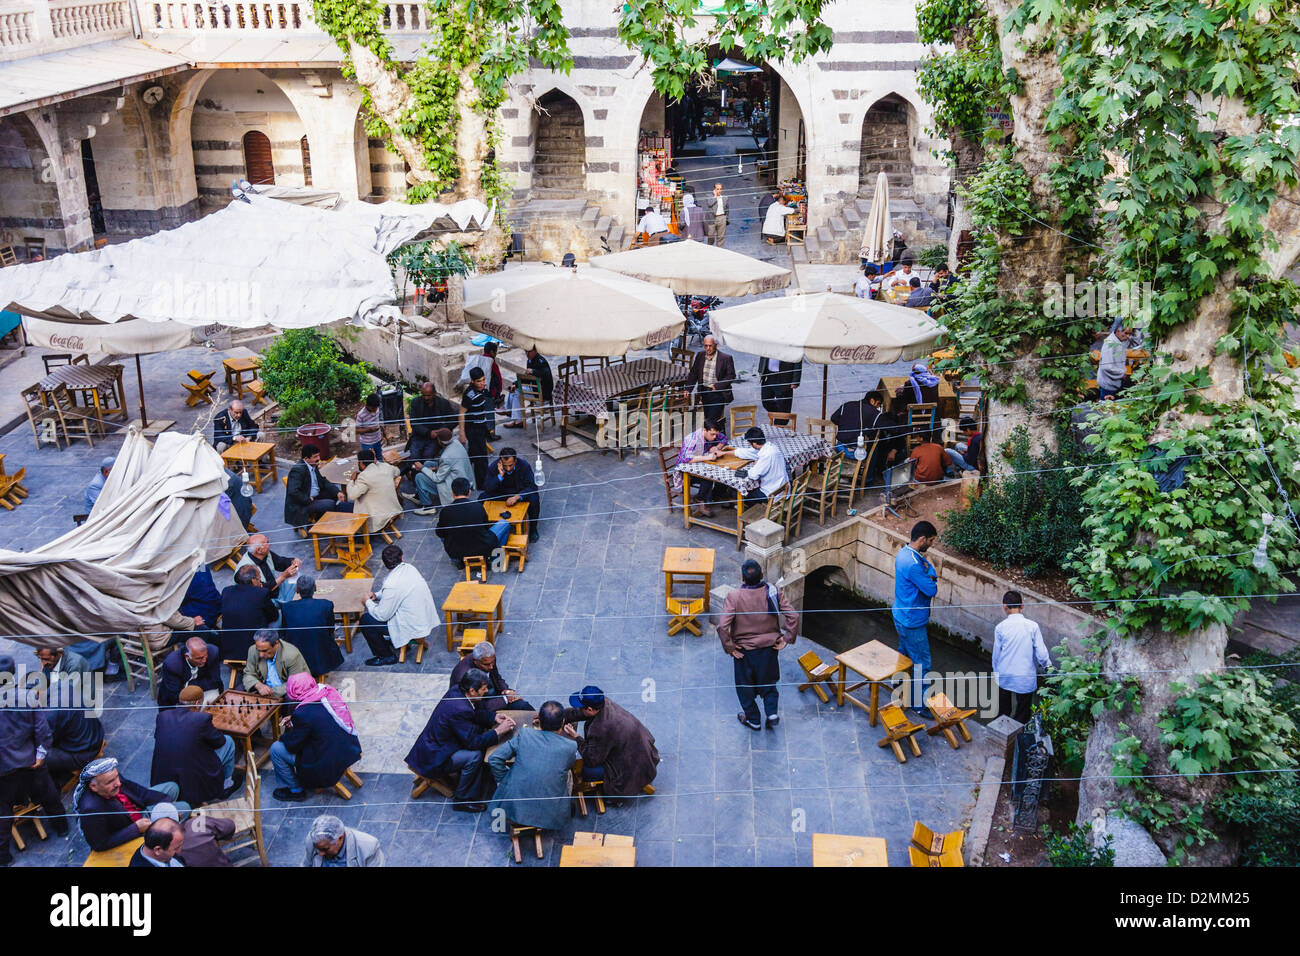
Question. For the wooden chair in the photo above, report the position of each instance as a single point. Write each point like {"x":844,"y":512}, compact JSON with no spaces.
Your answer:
{"x":822,"y":428}
{"x":257,"y":390}
{"x":920,"y":422}
{"x":236,"y":669}
{"x":534,"y":407}
{"x":44,"y":420}
{"x":8,"y":256}
{"x":898,"y":728}
{"x":948,"y":717}
{"x":667,"y":462}
{"x":245,"y":810}
{"x":516,"y":831}
{"x":476,"y":563}
{"x":824,"y":488}
{"x":421,"y":645}
{"x":231,"y":560}
{"x":516,"y":547}
{"x":72,"y":781}
{"x":817,"y":672}
{"x":857,"y":474}
{"x":795,"y":231}
{"x":138,"y":660}
{"x":742,"y":417}
{"x":592,"y":363}
{"x":568,"y":369}
{"x":12,"y":491}
{"x":27,"y":813}
{"x":199,"y":387}
{"x":470,"y":638}
{"x":792,"y":519}
{"x":71,"y":420}
{"x":34,"y":246}
{"x":940,"y":849}
{"x":773,"y":509}
{"x":681,"y":356}
{"x":59,"y":359}
{"x":117,"y":856}
{"x":970,"y":402}
{"x":584,"y":788}
{"x":788,"y":420}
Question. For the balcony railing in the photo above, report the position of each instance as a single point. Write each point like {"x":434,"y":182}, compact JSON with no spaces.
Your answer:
{"x":16,"y":29}
{"x":98,"y":20}
{"x":165,"y":16}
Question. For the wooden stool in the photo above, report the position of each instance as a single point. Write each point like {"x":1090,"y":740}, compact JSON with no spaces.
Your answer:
{"x":935,"y":849}
{"x":948,"y":716}
{"x":816,"y":671}
{"x":29,"y":811}
{"x":516,"y":547}
{"x":516,"y":831}
{"x":229,"y":561}
{"x":897,"y":728}
{"x":199,"y":387}
{"x":684,"y":612}
{"x":470,"y":638}
{"x":581,"y":788}
{"x":588,"y":839}
{"x":421,"y":645}
{"x":257,"y":390}
{"x":442,"y":785}
{"x":353,"y":779}
{"x":118,"y":856}
{"x":389,"y":531}
{"x":12,"y":491}
{"x":476,"y":563}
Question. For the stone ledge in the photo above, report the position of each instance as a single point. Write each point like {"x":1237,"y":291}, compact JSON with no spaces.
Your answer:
{"x":981,"y":824}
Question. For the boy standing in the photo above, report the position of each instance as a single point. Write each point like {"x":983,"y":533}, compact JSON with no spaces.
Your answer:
{"x":1018,"y":652}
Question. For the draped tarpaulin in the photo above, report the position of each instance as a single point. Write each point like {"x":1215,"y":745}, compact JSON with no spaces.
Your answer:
{"x":163,"y":513}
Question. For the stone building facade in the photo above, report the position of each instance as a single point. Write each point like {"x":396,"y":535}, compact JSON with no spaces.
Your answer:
{"x":122,"y":117}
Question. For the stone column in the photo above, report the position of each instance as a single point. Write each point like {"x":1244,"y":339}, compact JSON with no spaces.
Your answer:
{"x":763,"y":543}
{"x":328,"y":107}
{"x":62,"y":142}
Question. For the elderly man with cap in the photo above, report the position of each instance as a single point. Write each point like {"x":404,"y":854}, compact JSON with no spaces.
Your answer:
{"x":330,"y":843}
{"x":189,"y":750}
{"x":768,"y":466}
{"x":617,"y":748}
{"x":24,"y":739}
{"x":202,"y":831}
{"x":433,"y":478}
{"x":309,"y":621}
{"x":97,"y":483}
{"x":500,"y":696}
{"x":198,"y":664}
{"x":112,"y":810}
{"x":163,"y":841}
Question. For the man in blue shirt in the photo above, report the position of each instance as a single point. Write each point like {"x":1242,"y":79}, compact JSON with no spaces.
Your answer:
{"x":915,"y":583}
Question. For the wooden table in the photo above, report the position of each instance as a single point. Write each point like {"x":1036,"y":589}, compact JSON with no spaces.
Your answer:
{"x":253,"y":454}
{"x":831,"y":849}
{"x":518,"y":511}
{"x":239,"y":372}
{"x":346,"y":533}
{"x":597,"y":856}
{"x":86,"y":380}
{"x":591,"y":393}
{"x":693,"y":564}
{"x":522,"y":718}
{"x":348,"y":595}
{"x":877,"y":662}
{"x":948,"y":406}
{"x":584,"y":838}
{"x":471,"y":602}
{"x":240,"y":714}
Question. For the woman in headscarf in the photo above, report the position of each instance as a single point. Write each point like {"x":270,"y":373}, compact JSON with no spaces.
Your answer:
{"x":693,"y":216}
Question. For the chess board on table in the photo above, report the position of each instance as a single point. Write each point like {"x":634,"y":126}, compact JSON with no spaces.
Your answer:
{"x":239,"y":712}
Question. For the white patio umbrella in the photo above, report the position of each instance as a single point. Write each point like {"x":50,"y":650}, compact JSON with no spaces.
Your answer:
{"x":567,"y":312}
{"x":692,"y":267}
{"x":878,"y":233}
{"x":827,"y":328}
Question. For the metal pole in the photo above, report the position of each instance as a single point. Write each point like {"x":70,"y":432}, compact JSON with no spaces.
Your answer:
{"x":826,"y":374}
{"x":139,"y":381}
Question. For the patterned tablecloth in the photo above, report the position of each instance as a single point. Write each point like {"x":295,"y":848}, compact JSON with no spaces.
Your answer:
{"x":800,"y":450}
{"x":588,"y":394}
{"x":80,"y":376}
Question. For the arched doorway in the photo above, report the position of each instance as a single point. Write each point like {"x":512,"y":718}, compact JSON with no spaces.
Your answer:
{"x":887,"y":145}
{"x":559,"y":149}
{"x":29,"y":197}
{"x":258,"y":167}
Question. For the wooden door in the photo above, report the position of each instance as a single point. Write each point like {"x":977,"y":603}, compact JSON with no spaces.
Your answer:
{"x":258,"y":168}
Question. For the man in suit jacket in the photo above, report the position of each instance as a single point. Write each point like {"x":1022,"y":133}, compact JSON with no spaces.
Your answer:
{"x":510,"y":479}
{"x":778,"y":380}
{"x":277,"y":571}
{"x":189,"y":750}
{"x":233,"y":425}
{"x":310,"y":622}
{"x":313,"y":753}
{"x":712,"y":373}
{"x":308,"y":494}
{"x":433,"y":478}
{"x":456,"y":738}
{"x":112,"y":810}
{"x":271,"y":662}
{"x":197,"y":664}
{"x":163,"y":841}
{"x":246,"y":607}
{"x":429,"y":412}
{"x":464,"y":528}
{"x":373,"y":490}
{"x":715,"y":223}
{"x":77,"y":737}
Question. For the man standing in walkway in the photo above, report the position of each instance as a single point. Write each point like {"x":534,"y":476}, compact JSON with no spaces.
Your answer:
{"x":716,"y":221}
{"x":915,"y":583}
{"x":712,"y":372}
{"x":778,"y":380}
{"x":476,"y":420}
{"x":1018,"y":654}
{"x":757,"y":621}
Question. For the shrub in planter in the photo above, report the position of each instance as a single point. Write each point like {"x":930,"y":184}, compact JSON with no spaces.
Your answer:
{"x":305,"y":371}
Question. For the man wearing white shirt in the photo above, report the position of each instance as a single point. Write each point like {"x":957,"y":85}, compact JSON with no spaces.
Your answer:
{"x":768,"y":466}
{"x":716,"y":222}
{"x":402,"y":611}
{"x":1018,"y":652}
{"x":652,"y":223}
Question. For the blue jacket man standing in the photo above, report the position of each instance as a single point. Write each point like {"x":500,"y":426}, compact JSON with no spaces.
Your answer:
{"x":915,"y":583}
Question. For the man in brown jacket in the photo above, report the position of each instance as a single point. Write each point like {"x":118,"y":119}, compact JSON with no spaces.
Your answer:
{"x":757,"y":621}
{"x":617,"y":748}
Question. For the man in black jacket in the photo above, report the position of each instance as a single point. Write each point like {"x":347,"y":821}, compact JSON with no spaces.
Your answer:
{"x":308,"y":624}
{"x":233,"y":425}
{"x":308,"y":494}
{"x":197,"y":663}
{"x":510,"y":479}
{"x":24,"y":738}
{"x":464,"y":528}
{"x":77,"y":735}
{"x":869,"y":419}
{"x":189,"y":750}
{"x":163,"y":842}
{"x":712,"y":373}
{"x":477,"y":419}
{"x":456,"y":738}
{"x":429,"y":412}
{"x":313,"y":753}
{"x":112,"y":810}
{"x":778,"y":380}
{"x":500,"y":696}
{"x":246,"y":607}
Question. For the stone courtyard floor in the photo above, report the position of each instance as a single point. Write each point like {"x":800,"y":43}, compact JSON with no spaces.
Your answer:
{"x":587,"y":609}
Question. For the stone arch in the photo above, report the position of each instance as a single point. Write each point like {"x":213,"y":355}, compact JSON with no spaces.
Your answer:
{"x":885,"y":145}
{"x":28,"y":191}
{"x":559,"y":146}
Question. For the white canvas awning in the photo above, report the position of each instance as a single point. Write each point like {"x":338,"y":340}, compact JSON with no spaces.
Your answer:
{"x":691,"y":267}
{"x":162,"y":514}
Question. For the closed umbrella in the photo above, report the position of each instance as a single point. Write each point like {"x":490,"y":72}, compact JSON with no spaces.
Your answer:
{"x":827,"y":328}
{"x":697,"y":268}
{"x":878,"y":233}
{"x":564,"y":312}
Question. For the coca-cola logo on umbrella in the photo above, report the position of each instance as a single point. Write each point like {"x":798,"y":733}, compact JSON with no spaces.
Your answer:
{"x":74,"y":342}
{"x":863,"y":354}
{"x":659,"y":336}
{"x":502,"y":332}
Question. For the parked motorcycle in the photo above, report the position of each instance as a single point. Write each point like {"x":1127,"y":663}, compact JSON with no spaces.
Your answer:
{"x":696,"y":310}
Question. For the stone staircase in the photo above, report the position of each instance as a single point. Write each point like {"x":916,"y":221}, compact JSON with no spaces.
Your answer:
{"x":560,"y":153}
{"x":839,"y":239}
{"x":553,"y":225}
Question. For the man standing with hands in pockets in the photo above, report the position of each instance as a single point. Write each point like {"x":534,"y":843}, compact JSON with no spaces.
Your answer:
{"x":757,"y":621}
{"x":915,"y":583}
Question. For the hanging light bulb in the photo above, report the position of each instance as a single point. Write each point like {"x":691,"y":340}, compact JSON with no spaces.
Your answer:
{"x":539,"y":474}
{"x":860,"y":453}
{"x":1260,"y":558}
{"x":246,"y":484}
